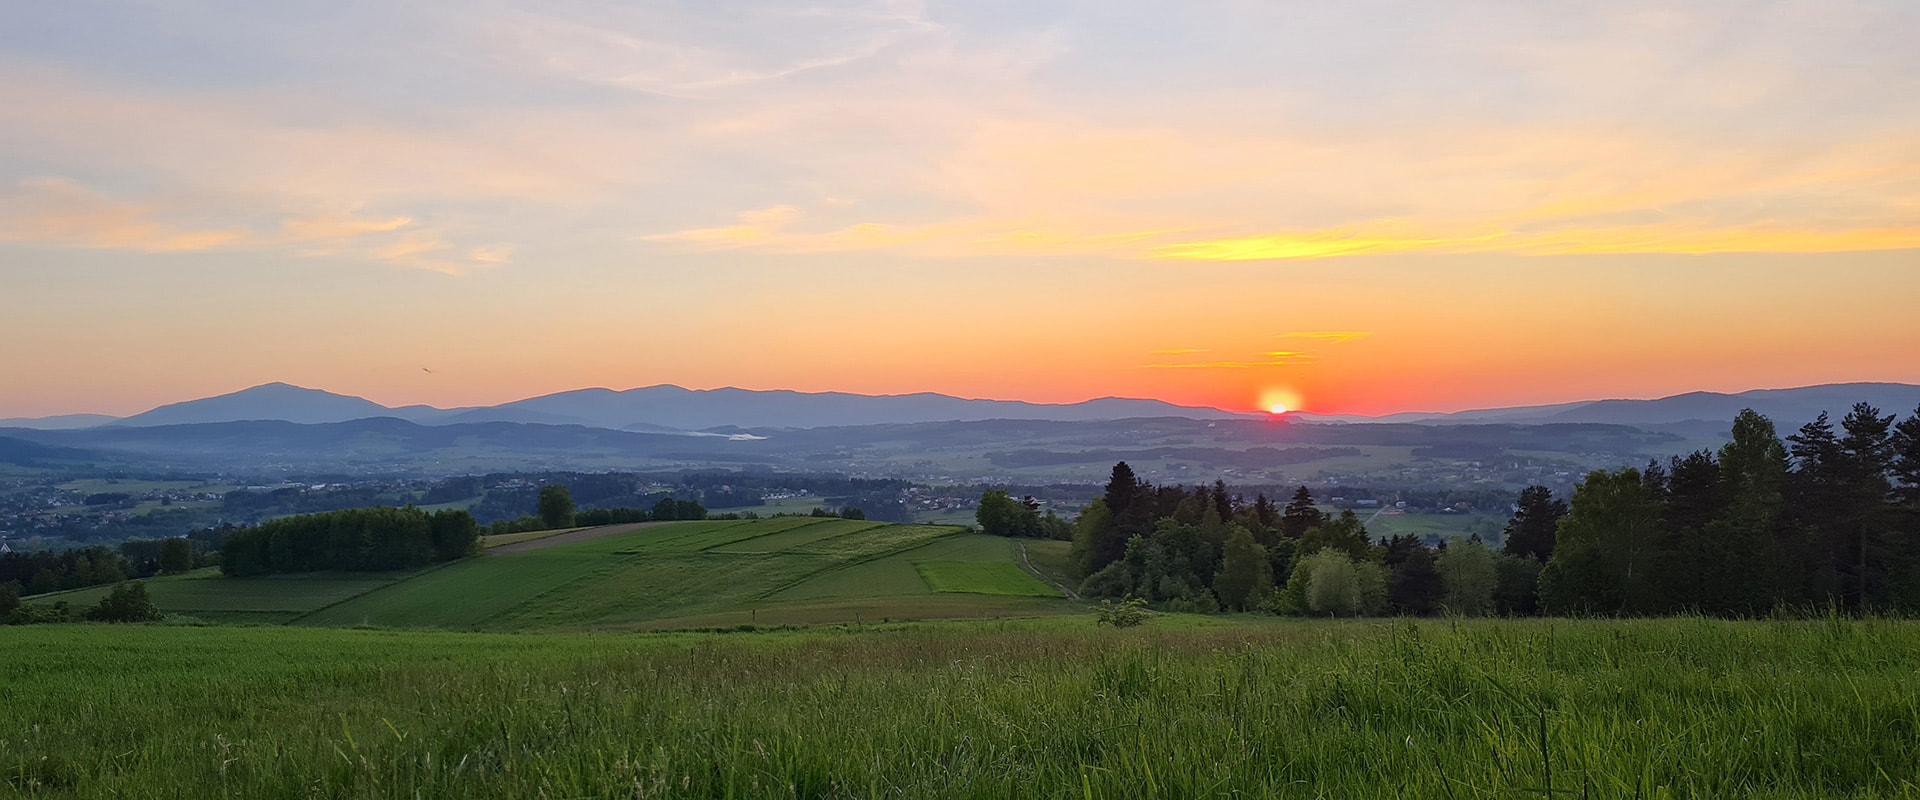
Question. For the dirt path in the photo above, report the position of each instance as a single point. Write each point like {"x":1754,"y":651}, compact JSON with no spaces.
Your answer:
{"x":582,"y":535}
{"x":1020,"y":548}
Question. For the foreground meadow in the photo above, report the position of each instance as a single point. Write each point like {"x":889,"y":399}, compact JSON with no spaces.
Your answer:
{"x":1182,"y":707}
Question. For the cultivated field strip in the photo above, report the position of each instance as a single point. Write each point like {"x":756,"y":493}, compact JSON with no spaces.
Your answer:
{"x":636,"y":575}
{"x":894,"y":574}
{"x":697,"y":536}
{"x":864,"y":544}
{"x":795,"y":537}
{"x":982,"y":577}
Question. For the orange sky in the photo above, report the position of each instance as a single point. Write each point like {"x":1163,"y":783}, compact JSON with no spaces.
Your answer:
{"x":1411,"y":207}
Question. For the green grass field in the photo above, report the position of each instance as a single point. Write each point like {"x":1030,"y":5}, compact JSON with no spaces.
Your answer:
{"x":1422,"y":524}
{"x":982,"y":577}
{"x":1055,"y":708}
{"x":717,"y":572}
{"x":274,"y":599}
{"x":1052,"y":559}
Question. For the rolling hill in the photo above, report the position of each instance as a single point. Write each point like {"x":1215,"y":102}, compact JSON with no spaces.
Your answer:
{"x":655,"y":408}
{"x":1797,"y":405}
{"x":660,"y":575}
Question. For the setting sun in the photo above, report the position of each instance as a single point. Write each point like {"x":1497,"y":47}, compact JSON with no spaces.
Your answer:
{"x":1278,"y":401}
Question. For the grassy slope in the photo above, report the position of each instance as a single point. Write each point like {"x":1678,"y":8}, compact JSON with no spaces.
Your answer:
{"x":982,"y":577}
{"x":1052,"y":559}
{"x":786,"y":570}
{"x":204,"y":594}
{"x":706,"y":573}
{"x":1006,"y":709}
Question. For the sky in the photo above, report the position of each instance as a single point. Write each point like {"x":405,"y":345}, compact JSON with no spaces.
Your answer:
{"x":1357,"y":207}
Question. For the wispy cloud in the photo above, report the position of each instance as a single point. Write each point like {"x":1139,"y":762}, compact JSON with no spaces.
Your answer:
{"x":1331,"y":336}
{"x":1272,"y":358}
{"x":1625,"y":239}
{"x":1179,"y":351}
{"x":670,"y":51}
{"x":1224,"y":365}
{"x":314,"y":227}
{"x":773,"y":229}
{"x":58,"y":211}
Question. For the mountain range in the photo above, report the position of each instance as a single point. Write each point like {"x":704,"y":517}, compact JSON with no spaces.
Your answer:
{"x":655,"y":409}
{"x":673,"y":409}
{"x":1787,"y":407}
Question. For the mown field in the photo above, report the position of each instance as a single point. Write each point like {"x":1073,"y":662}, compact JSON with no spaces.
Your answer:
{"x":660,"y":575}
{"x":1051,"y":707}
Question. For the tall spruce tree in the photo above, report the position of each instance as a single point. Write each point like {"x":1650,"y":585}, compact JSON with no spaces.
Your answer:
{"x":1122,"y":488}
{"x":1300,"y":515}
{"x":1530,"y":532}
{"x":1867,"y":458}
{"x":1816,"y":504}
{"x":1695,"y":499}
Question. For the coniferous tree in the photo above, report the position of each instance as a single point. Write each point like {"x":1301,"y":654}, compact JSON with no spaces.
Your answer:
{"x":1122,"y":488}
{"x":1695,"y":499}
{"x":1531,"y":530}
{"x":1815,"y":505}
{"x":1300,"y":515}
{"x":1867,"y":458}
{"x":1222,"y":502}
{"x":1905,"y":463}
{"x":1904,"y":518}
{"x":1264,"y":512}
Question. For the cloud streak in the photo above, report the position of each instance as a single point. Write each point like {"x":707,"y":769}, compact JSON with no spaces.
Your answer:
{"x":60,"y":212}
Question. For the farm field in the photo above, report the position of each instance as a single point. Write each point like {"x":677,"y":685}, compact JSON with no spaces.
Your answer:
{"x":271,"y":599}
{"x":1456,"y":526}
{"x":648,"y":575}
{"x":1047,"y":707}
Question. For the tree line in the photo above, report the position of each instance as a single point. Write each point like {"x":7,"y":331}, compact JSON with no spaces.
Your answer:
{"x":359,"y":539}
{"x":27,"y":574}
{"x":1826,"y":517}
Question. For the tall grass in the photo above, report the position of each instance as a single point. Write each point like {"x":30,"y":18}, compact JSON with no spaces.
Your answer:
{"x":1005,"y":709}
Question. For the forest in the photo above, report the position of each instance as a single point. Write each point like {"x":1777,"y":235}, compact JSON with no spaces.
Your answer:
{"x":1828,"y":517}
{"x":361,"y":539}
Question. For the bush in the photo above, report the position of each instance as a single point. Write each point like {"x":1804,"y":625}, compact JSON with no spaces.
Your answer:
{"x":1124,"y":614}
{"x":1331,"y":584}
{"x":9,"y":600}
{"x":1203,"y":603}
{"x":127,"y":603}
{"x":1113,"y":580}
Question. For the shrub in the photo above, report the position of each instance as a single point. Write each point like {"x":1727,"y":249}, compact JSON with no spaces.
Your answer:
{"x":1124,"y":614}
{"x":127,"y":603}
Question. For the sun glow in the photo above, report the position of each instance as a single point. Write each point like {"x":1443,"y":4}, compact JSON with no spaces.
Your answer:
{"x":1279,"y":401}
